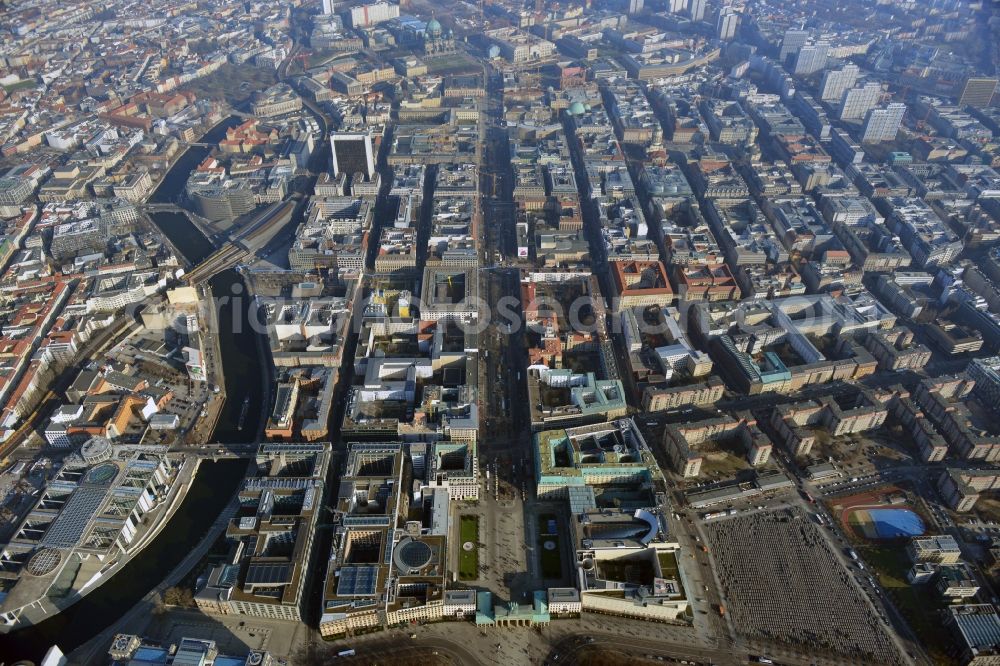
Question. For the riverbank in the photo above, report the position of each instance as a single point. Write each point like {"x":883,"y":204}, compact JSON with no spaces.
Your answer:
{"x":137,"y":617}
{"x":161,"y":516}
{"x":238,"y":343}
{"x":197,"y":518}
{"x":212,"y":488}
{"x":214,"y":371}
{"x":174,"y":179}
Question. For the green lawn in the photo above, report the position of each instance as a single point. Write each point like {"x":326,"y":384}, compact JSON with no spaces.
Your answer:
{"x":550,"y":560}
{"x":321,"y":57}
{"x":919,"y":604}
{"x":451,"y":63}
{"x":23,"y":84}
{"x":468,"y":560}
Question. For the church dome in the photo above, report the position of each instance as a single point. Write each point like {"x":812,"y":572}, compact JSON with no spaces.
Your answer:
{"x":434,"y":28}
{"x":577,"y":109}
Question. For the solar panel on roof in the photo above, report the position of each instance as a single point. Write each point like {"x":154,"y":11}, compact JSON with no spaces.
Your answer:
{"x":269,"y":574}
{"x":189,"y":657}
{"x":230,"y":573}
{"x":229,"y":661}
{"x":357,"y":581}
{"x":76,"y":516}
{"x":150,"y":655}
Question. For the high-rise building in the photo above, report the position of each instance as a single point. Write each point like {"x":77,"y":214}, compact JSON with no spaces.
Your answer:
{"x":791,"y":43}
{"x":678,"y":6}
{"x":329,"y":7}
{"x":352,"y":153}
{"x":728,"y":22}
{"x":858,"y":101}
{"x":811,"y":58}
{"x":978,"y":92}
{"x":364,"y":16}
{"x":837,"y":81}
{"x":883,"y":124}
{"x":634,"y":6}
{"x":697,"y":8}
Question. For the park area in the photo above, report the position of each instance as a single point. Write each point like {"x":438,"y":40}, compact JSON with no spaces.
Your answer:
{"x":468,"y":554}
{"x":919,"y":604}
{"x":451,"y":63}
{"x":233,"y":84}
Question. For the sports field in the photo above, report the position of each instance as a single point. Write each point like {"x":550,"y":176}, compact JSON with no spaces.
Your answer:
{"x":880,"y":514}
{"x":885,"y":523}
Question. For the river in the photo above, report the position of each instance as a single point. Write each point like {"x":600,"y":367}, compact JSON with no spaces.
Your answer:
{"x":215,"y":482}
{"x":240,"y":357}
{"x":173,"y":182}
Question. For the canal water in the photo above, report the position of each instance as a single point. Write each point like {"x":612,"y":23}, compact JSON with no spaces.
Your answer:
{"x":170,"y":188}
{"x":240,"y":416}
{"x":215,"y":482}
